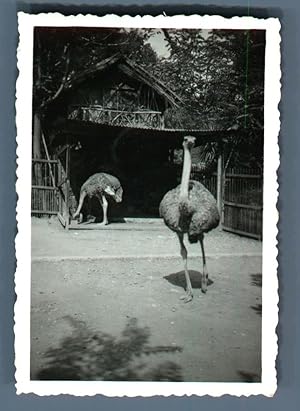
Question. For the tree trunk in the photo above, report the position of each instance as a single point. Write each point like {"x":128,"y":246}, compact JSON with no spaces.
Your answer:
{"x":37,"y":137}
{"x":36,"y":150}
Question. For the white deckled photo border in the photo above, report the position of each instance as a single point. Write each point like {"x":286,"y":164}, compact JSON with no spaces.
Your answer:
{"x":268,"y":384}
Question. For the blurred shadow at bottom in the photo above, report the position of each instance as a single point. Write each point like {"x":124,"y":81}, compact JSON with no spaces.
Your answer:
{"x":89,"y":356}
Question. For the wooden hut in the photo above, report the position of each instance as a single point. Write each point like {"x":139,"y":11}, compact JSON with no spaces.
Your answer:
{"x":111,"y":118}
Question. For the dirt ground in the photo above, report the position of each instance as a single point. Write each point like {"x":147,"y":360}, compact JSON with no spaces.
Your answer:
{"x":106,"y":305}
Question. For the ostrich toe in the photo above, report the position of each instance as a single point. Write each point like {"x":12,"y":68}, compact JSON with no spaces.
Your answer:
{"x":204,"y":281}
{"x":187,"y":297}
{"x":103,"y":223}
{"x":204,"y":288}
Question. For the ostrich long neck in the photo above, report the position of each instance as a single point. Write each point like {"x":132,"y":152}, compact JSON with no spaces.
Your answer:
{"x":185,"y":178}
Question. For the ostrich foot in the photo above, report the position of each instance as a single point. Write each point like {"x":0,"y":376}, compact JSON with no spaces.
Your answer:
{"x":204,"y":283}
{"x":78,"y":217}
{"x":89,"y":221}
{"x":187,"y":297}
{"x":103,"y":223}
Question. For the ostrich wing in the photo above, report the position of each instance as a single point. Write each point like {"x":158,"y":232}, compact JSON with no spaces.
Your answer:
{"x":201,"y":213}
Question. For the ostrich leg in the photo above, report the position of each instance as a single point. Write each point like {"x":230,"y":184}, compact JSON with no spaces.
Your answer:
{"x":104,"y":205}
{"x":204,"y":277}
{"x":90,"y":218}
{"x":189,"y":292}
{"x":81,"y":200}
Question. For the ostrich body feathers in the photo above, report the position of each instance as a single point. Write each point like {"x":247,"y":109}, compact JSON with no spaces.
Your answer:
{"x":97,"y":183}
{"x":195,"y":216}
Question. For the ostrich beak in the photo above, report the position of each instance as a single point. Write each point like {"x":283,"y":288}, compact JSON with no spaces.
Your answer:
{"x":109,"y":191}
{"x":189,"y":142}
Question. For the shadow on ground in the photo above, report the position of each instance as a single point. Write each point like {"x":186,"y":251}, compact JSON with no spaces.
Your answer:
{"x":249,"y":377}
{"x":88,"y":356}
{"x":256,"y":279}
{"x":257,"y":308}
{"x":97,"y":220}
{"x":178,"y":279}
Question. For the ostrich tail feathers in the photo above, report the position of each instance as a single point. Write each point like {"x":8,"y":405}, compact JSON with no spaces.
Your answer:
{"x":184,"y":208}
{"x":193,"y":238}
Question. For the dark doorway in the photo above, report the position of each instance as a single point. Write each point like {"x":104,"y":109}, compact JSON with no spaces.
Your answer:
{"x":141,"y":164}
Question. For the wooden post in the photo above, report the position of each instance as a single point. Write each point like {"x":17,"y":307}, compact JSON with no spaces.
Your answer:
{"x":48,"y":158}
{"x":67,"y":213}
{"x":59,"y":178}
{"x":37,"y":153}
{"x":220,"y":185}
{"x":162,"y":120}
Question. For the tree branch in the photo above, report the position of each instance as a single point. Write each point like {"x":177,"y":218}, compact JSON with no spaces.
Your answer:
{"x":64,"y":78}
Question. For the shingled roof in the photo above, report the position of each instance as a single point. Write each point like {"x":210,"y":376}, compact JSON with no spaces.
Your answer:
{"x":132,"y":70}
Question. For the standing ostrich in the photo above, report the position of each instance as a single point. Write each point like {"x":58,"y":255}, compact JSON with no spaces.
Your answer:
{"x":100,"y":185}
{"x":190,"y":208}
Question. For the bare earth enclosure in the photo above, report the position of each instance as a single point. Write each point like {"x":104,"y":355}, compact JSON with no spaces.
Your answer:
{"x":106,"y":305}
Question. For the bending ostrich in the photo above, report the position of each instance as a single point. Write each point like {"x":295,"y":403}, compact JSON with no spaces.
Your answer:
{"x":190,"y":209}
{"x":100,"y":185}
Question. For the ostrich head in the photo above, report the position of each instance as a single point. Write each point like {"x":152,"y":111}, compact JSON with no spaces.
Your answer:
{"x":116,"y":194}
{"x":189,"y":142}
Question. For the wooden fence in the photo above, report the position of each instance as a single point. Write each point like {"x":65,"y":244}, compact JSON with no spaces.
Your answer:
{"x":44,"y":196}
{"x":242,"y":200}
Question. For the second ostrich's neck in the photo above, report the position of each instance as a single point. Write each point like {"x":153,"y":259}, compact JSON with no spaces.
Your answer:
{"x":185,"y":178}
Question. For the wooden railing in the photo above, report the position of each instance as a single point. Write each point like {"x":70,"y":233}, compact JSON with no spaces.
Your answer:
{"x":98,"y":114}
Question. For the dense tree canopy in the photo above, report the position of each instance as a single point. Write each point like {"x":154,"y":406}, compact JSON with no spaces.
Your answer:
{"x":60,"y":54}
{"x":219,"y":74}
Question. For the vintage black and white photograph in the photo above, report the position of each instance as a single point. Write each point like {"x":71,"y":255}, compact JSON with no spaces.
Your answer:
{"x":147,"y":178}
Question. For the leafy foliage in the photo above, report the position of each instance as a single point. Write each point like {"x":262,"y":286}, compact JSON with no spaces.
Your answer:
{"x":220,"y":76}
